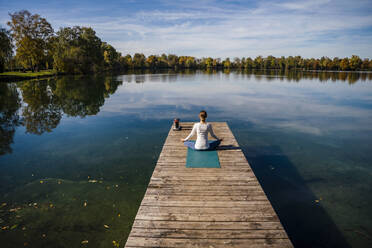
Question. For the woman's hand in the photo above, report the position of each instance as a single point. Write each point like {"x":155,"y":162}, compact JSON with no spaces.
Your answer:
{"x":183,"y":140}
{"x":220,"y":139}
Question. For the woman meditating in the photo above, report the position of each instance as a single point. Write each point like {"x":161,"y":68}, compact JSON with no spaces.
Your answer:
{"x":202,"y":129}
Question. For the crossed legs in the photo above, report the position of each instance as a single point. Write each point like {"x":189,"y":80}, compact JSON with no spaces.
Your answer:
{"x":212,"y":145}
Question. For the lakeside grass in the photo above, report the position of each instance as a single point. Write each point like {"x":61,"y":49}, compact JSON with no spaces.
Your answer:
{"x":27,"y":74}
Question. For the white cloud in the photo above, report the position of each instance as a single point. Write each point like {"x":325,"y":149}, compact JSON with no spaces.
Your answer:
{"x":210,"y":28}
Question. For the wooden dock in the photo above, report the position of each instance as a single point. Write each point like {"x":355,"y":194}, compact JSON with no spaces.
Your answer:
{"x":205,"y":207}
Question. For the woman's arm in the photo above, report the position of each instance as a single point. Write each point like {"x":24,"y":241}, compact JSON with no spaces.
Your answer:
{"x":210,"y":129}
{"x":192,"y":133}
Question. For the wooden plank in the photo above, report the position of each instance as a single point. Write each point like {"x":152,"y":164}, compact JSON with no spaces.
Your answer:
{"x":205,"y":207}
{"x":196,"y":225}
{"x":170,"y":191}
{"x":221,"y":209}
{"x":207,"y":234}
{"x":208,"y":217}
{"x":208,"y":243}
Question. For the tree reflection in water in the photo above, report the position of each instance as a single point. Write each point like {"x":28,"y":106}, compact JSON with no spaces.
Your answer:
{"x":42,"y":112}
{"x":10,"y":103}
{"x":45,"y":102}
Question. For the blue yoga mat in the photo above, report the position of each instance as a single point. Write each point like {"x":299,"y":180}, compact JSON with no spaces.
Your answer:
{"x":202,"y":159}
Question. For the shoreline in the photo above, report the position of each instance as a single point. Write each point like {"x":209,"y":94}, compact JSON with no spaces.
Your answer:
{"x":20,"y":76}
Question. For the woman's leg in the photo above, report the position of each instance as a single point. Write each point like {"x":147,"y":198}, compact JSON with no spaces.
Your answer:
{"x":213,"y":145}
{"x":190,"y":144}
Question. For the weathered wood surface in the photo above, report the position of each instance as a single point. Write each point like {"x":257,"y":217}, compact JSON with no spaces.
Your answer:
{"x":205,"y":207}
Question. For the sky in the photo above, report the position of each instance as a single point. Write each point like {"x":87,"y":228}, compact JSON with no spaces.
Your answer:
{"x":202,"y":28}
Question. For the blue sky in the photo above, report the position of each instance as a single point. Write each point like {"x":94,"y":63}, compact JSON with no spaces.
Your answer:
{"x":216,"y":28}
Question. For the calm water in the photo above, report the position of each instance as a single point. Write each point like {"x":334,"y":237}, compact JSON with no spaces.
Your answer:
{"x":77,"y":152}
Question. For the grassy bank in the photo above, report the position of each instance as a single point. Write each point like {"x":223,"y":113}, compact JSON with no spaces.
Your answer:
{"x":16,"y":75}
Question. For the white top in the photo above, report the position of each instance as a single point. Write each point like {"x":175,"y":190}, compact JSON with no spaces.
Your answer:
{"x":201,"y":129}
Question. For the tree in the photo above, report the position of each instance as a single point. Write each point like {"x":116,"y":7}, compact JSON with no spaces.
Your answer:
{"x":227,"y":63}
{"x":127,"y":61}
{"x":335,"y":63}
{"x":258,"y":62}
{"x":209,"y":62}
{"x":355,"y":62}
{"x":6,"y":48}
{"x":110,"y":56}
{"x":172,"y":60}
{"x":237,"y":62}
{"x":365,"y":64}
{"x":190,"y":62}
{"x":152,"y":61}
{"x":139,"y":60}
{"x":344,"y":64}
{"x":77,"y":50}
{"x":31,"y":34}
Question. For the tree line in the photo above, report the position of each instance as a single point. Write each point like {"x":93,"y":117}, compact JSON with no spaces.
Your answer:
{"x":78,"y":50}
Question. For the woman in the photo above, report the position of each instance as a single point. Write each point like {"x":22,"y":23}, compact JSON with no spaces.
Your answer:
{"x":202,"y":129}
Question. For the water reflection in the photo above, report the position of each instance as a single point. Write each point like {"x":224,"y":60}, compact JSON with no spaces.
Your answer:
{"x":10,"y":102}
{"x":307,"y":135}
{"x":45,"y":101}
{"x":288,"y":75}
{"x":42,"y":112}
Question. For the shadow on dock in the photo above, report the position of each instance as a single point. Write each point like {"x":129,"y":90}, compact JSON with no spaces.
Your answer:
{"x":305,"y":220}
{"x":228,"y":147}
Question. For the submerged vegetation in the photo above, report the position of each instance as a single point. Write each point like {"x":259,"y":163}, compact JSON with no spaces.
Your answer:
{"x":78,"y":50}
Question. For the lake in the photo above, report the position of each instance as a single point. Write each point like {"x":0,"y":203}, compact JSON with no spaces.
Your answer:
{"x":77,"y":152}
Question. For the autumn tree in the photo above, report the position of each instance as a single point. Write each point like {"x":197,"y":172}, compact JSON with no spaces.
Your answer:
{"x":344,"y":64}
{"x":227,"y":63}
{"x":139,"y":60}
{"x":172,"y":60}
{"x":355,"y":62}
{"x":31,"y":34}
{"x":110,"y":56}
{"x":126,"y":61}
{"x":152,"y":61}
{"x":190,"y":62}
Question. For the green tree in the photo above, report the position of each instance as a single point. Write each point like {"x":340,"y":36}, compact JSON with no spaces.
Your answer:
{"x":258,"y":62}
{"x":152,"y":61}
{"x":6,"y":48}
{"x":172,"y":60}
{"x":344,"y":64}
{"x":355,"y":62}
{"x":31,"y":34}
{"x":227,"y":63}
{"x":127,"y":61}
{"x":209,"y":62}
{"x":248,"y":63}
{"x":190,"y":62}
{"x":110,"y":56}
{"x":139,"y":60}
{"x":77,"y":50}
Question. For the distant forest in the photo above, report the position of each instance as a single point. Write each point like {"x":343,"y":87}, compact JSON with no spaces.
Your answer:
{"x":78,"y":50}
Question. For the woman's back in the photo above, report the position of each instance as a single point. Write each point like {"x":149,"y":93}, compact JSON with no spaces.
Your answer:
{"x":201,"y":130}
{"x":201,"y":135}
